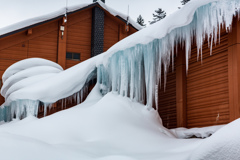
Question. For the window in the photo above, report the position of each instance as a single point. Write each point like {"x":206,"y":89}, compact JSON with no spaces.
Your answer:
{"x":73,"y":56}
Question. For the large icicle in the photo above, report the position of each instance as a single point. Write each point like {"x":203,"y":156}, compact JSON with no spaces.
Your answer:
{"x":22,"y":108}
{"x":135,"y":72}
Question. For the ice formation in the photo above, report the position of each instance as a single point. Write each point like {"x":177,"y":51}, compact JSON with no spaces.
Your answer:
{"x":133,"y":70}
{"x":33,"y":72}
{"x":133,"y":66}
{"x":21,"y":74}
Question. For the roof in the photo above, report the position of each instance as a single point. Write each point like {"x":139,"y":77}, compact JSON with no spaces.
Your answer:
{"x":36,"y":20}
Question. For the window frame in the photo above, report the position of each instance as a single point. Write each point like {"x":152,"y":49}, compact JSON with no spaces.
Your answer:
{"x":73,"y":56}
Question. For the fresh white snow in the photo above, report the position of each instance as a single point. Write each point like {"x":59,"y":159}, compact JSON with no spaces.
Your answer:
{"x":110,"y":127}
{"x":195,"y":132}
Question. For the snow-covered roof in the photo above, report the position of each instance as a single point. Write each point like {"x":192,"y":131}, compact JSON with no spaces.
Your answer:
{"x":60,"y":12}
{"x":197,"y":21}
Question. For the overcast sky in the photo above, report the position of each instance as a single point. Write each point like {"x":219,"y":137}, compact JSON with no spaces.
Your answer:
{"x":13,"y":11}
{"x":144,"y":7}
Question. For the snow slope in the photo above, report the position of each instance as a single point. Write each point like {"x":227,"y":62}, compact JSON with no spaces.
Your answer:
{"x":108,"y":128}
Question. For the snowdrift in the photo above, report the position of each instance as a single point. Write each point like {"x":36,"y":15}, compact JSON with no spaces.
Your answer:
{"x":110,"y":127}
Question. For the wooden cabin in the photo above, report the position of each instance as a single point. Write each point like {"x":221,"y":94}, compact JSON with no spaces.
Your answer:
{"x":209,"y":94}
{"x":84,"y":33}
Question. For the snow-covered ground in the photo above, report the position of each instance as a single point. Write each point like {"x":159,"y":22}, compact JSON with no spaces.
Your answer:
{"x":110,"y":128}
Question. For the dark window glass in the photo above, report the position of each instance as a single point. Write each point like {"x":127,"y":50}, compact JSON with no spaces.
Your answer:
{"x":73,"y":56}
{"x":76,"y":56}
{"x":69,"y":55}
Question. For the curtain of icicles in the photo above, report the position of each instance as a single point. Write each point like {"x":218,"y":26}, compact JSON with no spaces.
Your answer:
{"x":136,"y":72}
{"x":22,"y":108}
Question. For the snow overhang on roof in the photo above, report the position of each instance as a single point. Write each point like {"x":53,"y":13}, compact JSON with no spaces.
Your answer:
{"x":37,"y":20}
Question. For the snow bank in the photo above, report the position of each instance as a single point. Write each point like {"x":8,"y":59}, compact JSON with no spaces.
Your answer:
{"x":100,"y":128}
{"x":59,"y":10}
{"x":223,"y":145}
{"x":195,"y":132}
{"x":110,"y":127}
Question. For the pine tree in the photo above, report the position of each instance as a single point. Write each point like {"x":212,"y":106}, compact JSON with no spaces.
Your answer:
{"x":140,"y":20}
{"x":184,"y":2}
{"x":160,"y":14}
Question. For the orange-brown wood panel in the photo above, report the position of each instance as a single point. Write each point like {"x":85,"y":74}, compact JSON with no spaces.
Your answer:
{"x":16,"y":52}
{"x":22,"y":36}
{"x":44,"y":46}
{"x":207,"y":86}
{"x":167,"y":100}
{"x":234,"y":70}
{"x":181,"y":94}
{"x":5,"y":63}
{"x":79,"y":36}
{"x":70,"y":63}
{"x":111,"y":33}
{"x":121,"y":32}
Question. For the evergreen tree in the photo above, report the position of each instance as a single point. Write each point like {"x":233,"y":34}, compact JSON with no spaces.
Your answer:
{"x":184,"y":2}
{"x":140,"y":20}
{"x":160,"y":14}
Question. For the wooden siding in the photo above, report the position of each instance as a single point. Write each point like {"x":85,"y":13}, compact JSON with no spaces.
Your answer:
{"x":111,"y":32}
{"x":44,"y":46}
{"x":167,"y":100}
{"x":79,"y":36}
{"x":43,"y":40}
{"x":207,"y":87}
{"x":41,"y":43}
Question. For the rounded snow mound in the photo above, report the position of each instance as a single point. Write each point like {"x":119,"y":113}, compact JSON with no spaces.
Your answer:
{"x":28,"y":63}
{"x":27,"y":72}
{"x":223,"y":145}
